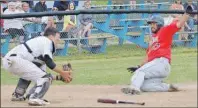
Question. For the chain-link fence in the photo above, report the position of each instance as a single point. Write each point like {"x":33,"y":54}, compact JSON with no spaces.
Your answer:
{"x":103,"y":31}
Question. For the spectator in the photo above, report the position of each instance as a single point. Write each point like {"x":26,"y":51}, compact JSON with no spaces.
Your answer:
{"x":86,"y":21}
{"x":40,"y":6}
{"x":1,"y":21}
{"x":150,"y":5}
{"x":190,"y":2}
{"x":120,"y":2}
{"x":80,"y":5}
{"x":69,"y":20}
{"x":61,"y":5}
{"x":4,"y":4}
{"x":19,"y":6}
{"x":117,"y":2}
{"x":31,"y":23}
{"x":70,"y":24}
{"x":26,"y":8}
{"x":57,"y":18}
{"x":50,"y":23}
{"x":150,"y":1}
{"x":30,"y":3}
{"x":133,"y":4}
{"x":177,"y":6}
{"x":193,"y":19}
{"x":14,"y":26}
{"x":76,"y":2}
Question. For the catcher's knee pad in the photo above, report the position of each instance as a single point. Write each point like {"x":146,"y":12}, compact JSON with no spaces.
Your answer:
{"x":22,"y":86}
{"x":42,"y":86}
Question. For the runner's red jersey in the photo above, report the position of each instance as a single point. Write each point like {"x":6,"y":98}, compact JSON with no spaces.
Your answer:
{"x":160,"y":43}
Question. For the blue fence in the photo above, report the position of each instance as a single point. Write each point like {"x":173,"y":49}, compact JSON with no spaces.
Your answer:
{"x":125,"y":27}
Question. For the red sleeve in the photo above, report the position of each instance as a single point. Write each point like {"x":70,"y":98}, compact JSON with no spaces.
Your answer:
{"x":172,"y":28}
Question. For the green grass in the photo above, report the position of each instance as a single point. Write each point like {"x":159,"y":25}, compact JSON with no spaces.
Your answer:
{"x":99,"y":2}
{"x":110,"y":68}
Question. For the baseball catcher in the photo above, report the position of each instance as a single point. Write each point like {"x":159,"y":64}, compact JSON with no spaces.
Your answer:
{"x":149,"y":76}
{"x":29,"y":61}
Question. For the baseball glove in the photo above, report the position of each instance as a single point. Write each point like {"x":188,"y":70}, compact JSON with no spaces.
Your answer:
{"x":133,"y":69}
{"x":66,"y":67}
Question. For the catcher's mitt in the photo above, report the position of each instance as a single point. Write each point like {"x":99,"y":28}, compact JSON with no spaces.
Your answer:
{"x":66,"y":67}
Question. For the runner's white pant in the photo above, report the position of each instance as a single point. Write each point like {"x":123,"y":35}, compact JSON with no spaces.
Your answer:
{"x":150,"y":76}
{"x":23,"y":68}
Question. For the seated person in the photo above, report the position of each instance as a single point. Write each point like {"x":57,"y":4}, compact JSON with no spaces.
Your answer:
{"x":86,"y":21}
{"x":1,"y":20}
{"x":69,"y":20}
{"x":193,"y":19}
{"x":70,"y":23}
{"x":61,"y":5}
{"x":4,"y":4}
{"x":40,"y":6}
{"x":30,"y":3}
{"x":14,"y":26}
{"x":26,"y":7}
{"x":50,"y":23}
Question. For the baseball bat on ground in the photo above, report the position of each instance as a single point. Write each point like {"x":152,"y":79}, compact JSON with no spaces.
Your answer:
{"x":112,"y":101}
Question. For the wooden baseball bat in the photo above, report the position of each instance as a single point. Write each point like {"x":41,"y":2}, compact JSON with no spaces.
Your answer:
{"x":112,"y":101}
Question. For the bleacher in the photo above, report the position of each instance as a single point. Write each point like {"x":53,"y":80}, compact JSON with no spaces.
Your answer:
{"x":133,"y":28}
{"x":126,"y":27}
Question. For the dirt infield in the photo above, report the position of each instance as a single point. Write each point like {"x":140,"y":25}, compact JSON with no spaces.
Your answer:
{"x":87,"y":95}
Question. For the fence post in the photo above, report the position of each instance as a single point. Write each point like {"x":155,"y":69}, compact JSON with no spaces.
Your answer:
{"x":109,"y":3}
{"x":78,"y":44}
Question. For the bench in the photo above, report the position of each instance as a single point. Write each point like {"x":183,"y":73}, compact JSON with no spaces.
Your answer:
{"x":135,"y":34}
{"x":84,"y":44}
{"x":137,"y":37}
{"x":134,"y":21}
{"x":139,"y":19}
{"x":39,"y":27}
{"x":129,"y":27}
{"x":190,"y":42}
{"x":92,"y":48}
{"x":5,"y":39}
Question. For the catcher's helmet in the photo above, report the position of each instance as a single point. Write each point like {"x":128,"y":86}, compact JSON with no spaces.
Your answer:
{"x":157,"y":19}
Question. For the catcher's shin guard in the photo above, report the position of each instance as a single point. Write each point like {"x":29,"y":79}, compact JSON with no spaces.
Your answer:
{"x":20,"y":90}
{"x":42,"y":86}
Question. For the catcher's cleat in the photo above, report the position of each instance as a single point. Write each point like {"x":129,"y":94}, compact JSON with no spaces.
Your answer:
{"x":173,"y":88}
{"x":38,"y":102}
{"x":16,"y":97}
{"x":132,"y":91}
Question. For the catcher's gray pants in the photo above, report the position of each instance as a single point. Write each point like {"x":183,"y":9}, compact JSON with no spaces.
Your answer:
{"x":23,"y":68}
{"x":150,"y":76}
{"x":28,"y":71}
